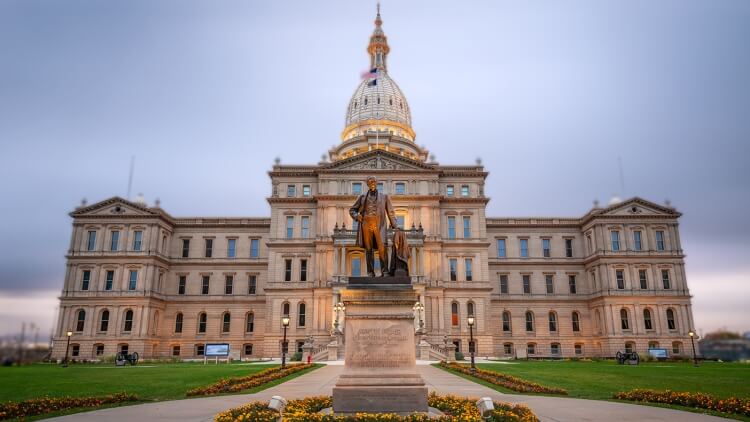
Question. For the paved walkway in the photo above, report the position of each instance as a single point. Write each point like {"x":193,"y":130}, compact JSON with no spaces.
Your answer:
{"x":321,"y":382}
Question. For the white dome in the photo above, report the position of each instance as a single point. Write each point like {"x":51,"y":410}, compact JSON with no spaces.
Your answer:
{"x":382,"y":101}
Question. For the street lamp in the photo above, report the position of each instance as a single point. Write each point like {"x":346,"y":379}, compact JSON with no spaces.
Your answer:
{"x":339,"y":307}
{"x":67,"y":347}
{"x":692,"y":341}
{"x":471,"y":342}
{"x":284,"y":346}
{"x":418,"y":307}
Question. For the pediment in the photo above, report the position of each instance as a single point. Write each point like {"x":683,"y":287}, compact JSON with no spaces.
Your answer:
{"x":113,"y":207}
{"x":638,"y":206}
{"x":378,"y":160}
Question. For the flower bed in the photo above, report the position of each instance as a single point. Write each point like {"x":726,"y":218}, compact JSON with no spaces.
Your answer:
{"x":508,"y":381}
{"x":733,"y":405}
{"x":306,"y":410}
{"x":40,"y":406}
{"x":236,"y":384}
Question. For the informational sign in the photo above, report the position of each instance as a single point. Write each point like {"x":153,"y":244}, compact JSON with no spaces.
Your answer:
{"x":658,"y":353}
{"x":217,"y":349}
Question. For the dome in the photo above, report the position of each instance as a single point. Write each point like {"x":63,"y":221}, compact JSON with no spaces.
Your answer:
{"x":381,"y":101}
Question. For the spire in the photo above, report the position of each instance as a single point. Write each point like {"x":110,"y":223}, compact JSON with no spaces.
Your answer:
{"x":378,"y":47}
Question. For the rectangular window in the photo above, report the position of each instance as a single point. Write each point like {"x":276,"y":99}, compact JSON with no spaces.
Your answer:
{"x":91,"y":242}
{"x":185,"y":248}
{"x":546,"y":248}
{"x":620,"y":277}
{"x":109,"y":280}
{"x":133,"y":281}
{"x":114,"y":240}
{"x":400,"y":188}
{"x":205,"y":284}
{"x":637,"y":244}
{"x":526,"y":284}
{"x":400,"y":221}
{"x":524,"y":248}
{"x":549,"y":282}
{"x":305,"y":227}
{"x":99,"y":349}
{"x":469,"y":275}
{"x":137,"y":240}
{"x":75,"y":350}
{"x":555,"y":349}
{"x":181,"y":282}
{"x":504,"y":284}
{"x":530,"y":349}
{"x":209,"y":248}
{"x":381,"y":187}
{"x":306,"y":190}
{"x":451,"y":227}
{"x":659,"y":240}
{"x":248,"y":349}
{"x":449,"y":190}
{"x":199,"y":349}
{"x":643,"y":279}
{"x":357,"y":188}
{"x":252,"y":284}
{"x":464,"y":190}
{"x":357,"y":267}
{"x":228,"y":285}
{"x":665,"y":279}
{"x":287,"y":270}
{"x":590,"y":244}
{"x":175,"y":350}
{"x":569,"y":248}
{"x":501,"y":248}
{"x":572,"y":284}
{"x":453,"y":263}
{"x":231,"y":248}
{"x":254,"y":248}
{"x":578,"y":349}
{"x":303,"y":270}
{"x":85,"y":280}
{"x":467,"y":227}
{"x":291,"y":191}
{"x":289,"y":226}
{"x":615,"y":236}
{"x":508,"y":348}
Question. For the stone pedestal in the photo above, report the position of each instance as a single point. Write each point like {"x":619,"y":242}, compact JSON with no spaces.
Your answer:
{"x":450,"y":353}
{"x":424,"y":350}
{"x":380,"y":363}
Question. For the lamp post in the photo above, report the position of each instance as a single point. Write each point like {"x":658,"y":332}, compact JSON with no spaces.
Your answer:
{"x":471,"y":342}
{"x":339,"y":307}
{"x":692,"y":341}
{"x":284,"y":346}
{"x":418,"y":307}
{"x":67,"y":348}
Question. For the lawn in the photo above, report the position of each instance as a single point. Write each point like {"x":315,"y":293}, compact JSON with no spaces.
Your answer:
{"x":600,"y":380}
{"x":151,"y":382}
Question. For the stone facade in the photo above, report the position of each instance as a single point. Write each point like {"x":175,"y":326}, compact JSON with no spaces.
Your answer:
{"x":164,"y":286}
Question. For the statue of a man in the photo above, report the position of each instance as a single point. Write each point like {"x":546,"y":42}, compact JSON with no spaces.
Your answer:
{"x":373,"y":211}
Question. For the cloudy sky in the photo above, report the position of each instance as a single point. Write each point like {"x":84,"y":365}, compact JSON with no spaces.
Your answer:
{"x":205,"y":94}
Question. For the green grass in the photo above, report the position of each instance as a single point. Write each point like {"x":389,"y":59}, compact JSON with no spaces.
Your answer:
{"x":151,"y":382}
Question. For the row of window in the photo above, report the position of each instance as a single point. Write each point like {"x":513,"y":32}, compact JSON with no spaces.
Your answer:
{"x":114,"y":240}
{"x":523,"y":247}
{"x":109,"y":279}
{"x":208,"y":248}
{"x":468,"y":269}
{"x":647,"y":320}
{"x":304,"y":226}
{"x":198,"y":349}
{"x":549,"y":283}
{"x":229,"y":285}
{"x":637,"y":244}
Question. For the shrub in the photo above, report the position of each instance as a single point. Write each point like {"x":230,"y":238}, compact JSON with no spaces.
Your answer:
{"x":733,"y":405}
{"x":459,"y":356}
{"x":233,"y":385}
{"x":508,"y":381}
{"x":40,"y":406}
{"x":296,"y":357}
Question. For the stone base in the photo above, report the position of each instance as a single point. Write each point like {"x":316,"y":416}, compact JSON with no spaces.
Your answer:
{"x":380,"y":394}
{"x":376,"y":281}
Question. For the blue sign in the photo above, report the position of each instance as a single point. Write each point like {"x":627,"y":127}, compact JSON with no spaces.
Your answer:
{"x":658,"y":353}
{"x":217,"y":349}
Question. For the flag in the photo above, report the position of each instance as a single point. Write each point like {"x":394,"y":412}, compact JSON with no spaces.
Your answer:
{"x":372,"y":73}
{"x":373,"y":82}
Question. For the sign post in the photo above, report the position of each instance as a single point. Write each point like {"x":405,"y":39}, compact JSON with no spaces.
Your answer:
{"x":216,"y":350}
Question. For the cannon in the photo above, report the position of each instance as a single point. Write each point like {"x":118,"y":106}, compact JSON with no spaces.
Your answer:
{"x":122,"y":358}
{"x":631,"y":358}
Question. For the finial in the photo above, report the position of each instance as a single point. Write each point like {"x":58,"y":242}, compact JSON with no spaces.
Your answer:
{"x":157,"y":202}
{"x":378,"y":21}
{"x":277,"y":160}
{"x":83,"y":202}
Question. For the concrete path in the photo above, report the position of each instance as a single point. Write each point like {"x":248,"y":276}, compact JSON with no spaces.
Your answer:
{"x":321,"y":382}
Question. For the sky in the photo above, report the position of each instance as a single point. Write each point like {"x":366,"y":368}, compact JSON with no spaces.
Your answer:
{"x":206,"y":94}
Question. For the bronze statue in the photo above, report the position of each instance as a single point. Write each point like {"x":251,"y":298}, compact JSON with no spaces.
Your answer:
{"x":400,"y":258}
{"x":373,"y":211}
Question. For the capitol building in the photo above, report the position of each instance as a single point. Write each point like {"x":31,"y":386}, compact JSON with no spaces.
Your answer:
{"x":140,"y":280}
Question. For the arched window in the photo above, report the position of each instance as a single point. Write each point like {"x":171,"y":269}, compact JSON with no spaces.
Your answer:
{"x":202,"y":320}
{"x":576,"y":319}
{"x":178,"y":323}
{"x":357,"y":263}
{"x":226,"y":321}
{"x":624,"y":321}
{"x":454,"y":314}
{"x":128,"y":325}
{"x":647,"y":319}
{"x":81,"y":320}
{"x":301,"y":315}
{"x":529,"y":321}
{"x":470,"y":309}
{"x":531,"y":348}
{"x":653,"y":344}
{"x":250,"y":322}
{"x":285,"y":309}
{"x":554,"y":349}
{"x":676,"y":348}
{"x":506,"y":321}
{"x":155,"y":324}
{"x":104,"y":321}
{"x":507,"y":348}
{"x":629,"y":347}
{"x":670,"y":319}
{"x":552,"y":322}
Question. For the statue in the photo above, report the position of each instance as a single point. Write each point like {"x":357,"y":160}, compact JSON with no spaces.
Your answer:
{"x":400,"y":258}
{"x":373,"y":211}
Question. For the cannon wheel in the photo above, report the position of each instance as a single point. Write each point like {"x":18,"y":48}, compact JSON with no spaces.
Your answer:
{"x":134,"y":358}
{"x":119,"y":357}
{"x":620,"y":360}
{"x":636,"y":358}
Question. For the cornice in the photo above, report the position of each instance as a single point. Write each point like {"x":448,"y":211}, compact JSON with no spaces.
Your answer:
{"x":303,"y":200}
